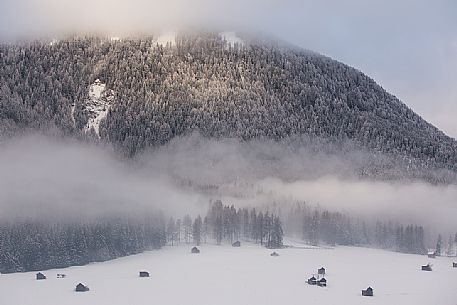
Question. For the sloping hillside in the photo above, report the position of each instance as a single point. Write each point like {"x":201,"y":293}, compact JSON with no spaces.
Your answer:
{"x":207,"y":83}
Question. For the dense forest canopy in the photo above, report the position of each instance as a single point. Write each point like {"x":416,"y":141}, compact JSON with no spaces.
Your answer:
{"x":202,"y":83}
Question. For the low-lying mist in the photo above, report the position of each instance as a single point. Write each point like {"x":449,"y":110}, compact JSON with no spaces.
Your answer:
{"x":43,"y":178}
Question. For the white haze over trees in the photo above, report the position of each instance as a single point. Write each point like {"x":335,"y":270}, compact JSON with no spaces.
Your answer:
{"x":44,"y":178}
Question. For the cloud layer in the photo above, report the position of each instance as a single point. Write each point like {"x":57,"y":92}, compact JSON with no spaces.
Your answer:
{"x":43,"y":178}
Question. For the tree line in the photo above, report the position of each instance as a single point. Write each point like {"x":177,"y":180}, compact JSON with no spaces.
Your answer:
{"x":319,"y":226}
{"x":449,"y":249}
{"x":226,"y":224}
{"x":29,"y":245}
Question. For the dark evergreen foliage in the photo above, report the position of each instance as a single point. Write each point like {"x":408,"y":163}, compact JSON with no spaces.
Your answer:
{"x":33,"y":245}
{"x":439,"y":244}
{"x":317,"y":226}
{"x":227,"y":224}
{"x":250,"y":92}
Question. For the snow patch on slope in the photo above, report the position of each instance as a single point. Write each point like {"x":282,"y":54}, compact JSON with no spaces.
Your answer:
{"x":53,"y":42}
{"x":166,"y":38}
{"x":231,"y":38}
{"x":96,"y":89}
{"x":97,"y":106}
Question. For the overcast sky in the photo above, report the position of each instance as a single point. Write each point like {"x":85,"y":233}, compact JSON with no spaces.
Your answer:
{"x":408,"y":46}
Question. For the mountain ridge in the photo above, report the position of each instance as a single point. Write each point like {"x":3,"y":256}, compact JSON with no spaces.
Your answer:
{"x":203,"y":83}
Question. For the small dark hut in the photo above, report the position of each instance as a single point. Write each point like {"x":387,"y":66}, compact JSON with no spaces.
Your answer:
{"x":40,"y":276}
{"x":274,"y":254}
{"x":368,"y":292}
{"x":195,"y":250}
{"x":312,"y":281}
{"x":236,"y":244}
{"x":144,"y":274}
{"x":454,"y":264}
{"x":81,"y":288}
{"x":427,"y":267}
{"x":322,"y":282}
{"x":321,"y":271}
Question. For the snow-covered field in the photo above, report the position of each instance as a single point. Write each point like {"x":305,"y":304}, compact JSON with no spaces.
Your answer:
{"x":246,"y":275}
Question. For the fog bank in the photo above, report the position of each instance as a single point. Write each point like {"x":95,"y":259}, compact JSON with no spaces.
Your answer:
{"x":42,"y":178}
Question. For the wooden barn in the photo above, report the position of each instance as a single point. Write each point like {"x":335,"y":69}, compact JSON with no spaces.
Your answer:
{"x":321,"y":271}
{"x":81,"y":288}
{"x":195,"y":250}
{"x":144,"y":274}
{"x":236,"y":244}
{"x":322,"y":282}
{"x":368,"y":292}
{"x":312,"y":281}
{"x":40,"y":276}
{"x":274,"y":254}
{"x":427,"y":267}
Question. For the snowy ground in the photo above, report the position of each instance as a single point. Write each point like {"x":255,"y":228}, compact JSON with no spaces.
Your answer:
{"x":246,"y":275}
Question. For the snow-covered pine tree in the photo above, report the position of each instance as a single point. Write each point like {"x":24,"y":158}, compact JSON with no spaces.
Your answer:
{"x":439,"y":244}
{"x":197,"y":230}
{"x":187,"y":228}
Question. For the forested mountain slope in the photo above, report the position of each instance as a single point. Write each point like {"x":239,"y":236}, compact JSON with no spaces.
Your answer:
{"x":136,"y":93}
